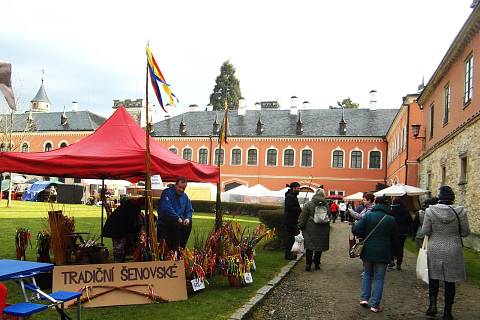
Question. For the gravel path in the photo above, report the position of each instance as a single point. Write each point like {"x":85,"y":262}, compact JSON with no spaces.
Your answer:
{"x":333,"y":292}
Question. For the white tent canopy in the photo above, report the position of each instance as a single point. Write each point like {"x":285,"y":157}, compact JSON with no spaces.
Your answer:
{"x":259,"y":191}
{"x":354,"y":197}
{"x":400,"y":190}
{"x":241,"y":190}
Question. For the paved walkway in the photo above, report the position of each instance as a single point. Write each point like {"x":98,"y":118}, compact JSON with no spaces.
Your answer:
{"x":333,"y":291}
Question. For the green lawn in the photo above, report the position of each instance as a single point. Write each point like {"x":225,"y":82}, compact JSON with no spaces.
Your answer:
{"x":218,"y":301}
{"x":472,"y":261}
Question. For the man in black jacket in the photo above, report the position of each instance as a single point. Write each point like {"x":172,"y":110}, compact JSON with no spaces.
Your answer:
{"x":292,"y":212}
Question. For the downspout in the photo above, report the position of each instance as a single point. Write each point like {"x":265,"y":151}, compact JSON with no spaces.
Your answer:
{"x":407,"y":143}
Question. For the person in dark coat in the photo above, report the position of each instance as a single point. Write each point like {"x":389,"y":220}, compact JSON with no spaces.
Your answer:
{"x":378,"y":251}
{"x":445,"y":224}
{"x":292,"y":212}
{"x":124,"y":226}
{"x":404,"y":222}
{"x":316,"y":235}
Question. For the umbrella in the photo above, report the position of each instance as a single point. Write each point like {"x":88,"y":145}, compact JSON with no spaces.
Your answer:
{"x":354,"y":197}
{"x":400,"y":190}
{"x":334,"y":197}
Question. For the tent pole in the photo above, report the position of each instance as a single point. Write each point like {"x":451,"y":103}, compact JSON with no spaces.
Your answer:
{"x":102,"y":196}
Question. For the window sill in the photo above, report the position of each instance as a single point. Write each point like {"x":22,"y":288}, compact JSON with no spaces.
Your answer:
{"x":461,"y":183}
{"x":445,"y":124}
{"x":306,"y":166}
{"x":466,"y":104}
{"x":254,"y":165}
{"x":337,"y":167}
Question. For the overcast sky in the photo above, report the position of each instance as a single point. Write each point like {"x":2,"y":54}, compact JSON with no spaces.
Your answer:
{"x":321,"y":51}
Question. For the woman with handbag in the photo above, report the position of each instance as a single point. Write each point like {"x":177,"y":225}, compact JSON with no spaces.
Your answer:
{"x":315,"y":225}
{"x":445,"y":224}
{"x":380,"y":245}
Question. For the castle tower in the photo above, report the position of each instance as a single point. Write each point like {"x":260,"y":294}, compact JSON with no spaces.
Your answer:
{"x":40,"y":102}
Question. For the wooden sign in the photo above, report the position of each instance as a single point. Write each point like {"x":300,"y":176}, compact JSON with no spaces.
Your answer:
{"x":123,"y":283}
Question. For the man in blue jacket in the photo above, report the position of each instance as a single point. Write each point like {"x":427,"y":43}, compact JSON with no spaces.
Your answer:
{"x":175,"y":215}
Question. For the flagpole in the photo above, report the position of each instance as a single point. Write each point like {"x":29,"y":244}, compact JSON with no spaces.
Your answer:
{"x":223,"y":134}
{"x":152,"y":235}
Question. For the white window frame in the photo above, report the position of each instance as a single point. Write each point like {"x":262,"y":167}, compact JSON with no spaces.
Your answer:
{"x":301,"y":157}
{"x":331,"y":158}
{"x":198,"y":154}
{"x":231,"y":156}
{"x":187,"y":147}
{"x":63,"y":141}
{"x":28,"y":144}
{"x":266,"y":157}
{"x":45,"y":144}
{"x":350,"y":157}
{"x":381,"y":158}
{"x":294,"y":156}
{"x":172,"y":146}
{"x":465,"y":84}
{"x":214,"y":156}
{"x":246,"y":156}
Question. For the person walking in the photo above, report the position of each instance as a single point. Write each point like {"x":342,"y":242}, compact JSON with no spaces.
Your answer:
{"x":316,"y":234}
{"x":175,"y":212}
{"x":379,"y":249}
{"x":445,"y":224}
{"x":291,"y":212}
{"x":334,"y":210}
{"x":404,"y":222}
{"x":342,"y":208}
{"x":418,"y":221}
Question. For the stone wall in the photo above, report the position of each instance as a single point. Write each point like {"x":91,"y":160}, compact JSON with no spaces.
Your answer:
{"x":466,"y":143}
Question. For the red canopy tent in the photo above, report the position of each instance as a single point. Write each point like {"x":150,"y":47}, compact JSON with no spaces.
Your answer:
{"x":116,"y":150}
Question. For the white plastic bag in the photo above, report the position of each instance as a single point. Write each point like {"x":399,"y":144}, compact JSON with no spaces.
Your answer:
{"x":298,"y":246}
{"x":422,"y":262}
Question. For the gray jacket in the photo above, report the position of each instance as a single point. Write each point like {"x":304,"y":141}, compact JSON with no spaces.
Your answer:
{"x":445,"y":252}
{"x":316,"y":235}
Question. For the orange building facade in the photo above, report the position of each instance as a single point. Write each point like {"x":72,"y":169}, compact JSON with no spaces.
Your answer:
{"x":281,"y":153}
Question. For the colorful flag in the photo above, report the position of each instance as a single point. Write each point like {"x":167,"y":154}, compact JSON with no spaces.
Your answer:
{"x":157,"y":76}
{"x":6,"y":84}
{"x":224,"y":129}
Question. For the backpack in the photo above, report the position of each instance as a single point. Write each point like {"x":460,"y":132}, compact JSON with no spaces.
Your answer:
{"x":321,"y":215}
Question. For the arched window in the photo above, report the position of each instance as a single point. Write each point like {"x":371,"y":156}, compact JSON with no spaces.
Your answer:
{"x":236,"y":159}
{"x":48,"y":146}
{"x":306,"y":158}
{"x":252,"y":157}
{"x":173,"y":150}
{"x":288,"y":158}
{"x":219,"y":156}
{"x":203,"y":155}
{"x":187,"y":154}
{"x":63,"y":144}
{"x":337,"y":159}
{"x":25,"y":147}
{"x":375,"y":160}
{"x":271,"y":157}
{"x":356,"y":159}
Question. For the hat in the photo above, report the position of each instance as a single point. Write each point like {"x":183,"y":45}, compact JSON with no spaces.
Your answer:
{"x":446,"y":194}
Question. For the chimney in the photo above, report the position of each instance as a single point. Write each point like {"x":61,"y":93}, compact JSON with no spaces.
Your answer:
{"x":306,"y":105}
{"x":373,"y":99}
{"x":193,"y":108}
{"x":242,"y":108}
{"x":167,"y":116}
{"x":209,"y":107}
{"x":183,"y":128}
{"x":299,"y":124}
{"x":342,"y":126}
{"x":294,"y":105}
{"x":260,"y":125}
{"x":30,"y":118}
{"x":75,"y":105}
{"x":258,"y":106}
{"x":422,"y":85}
{"x":63,"y":118}
{"x":216,"y":125}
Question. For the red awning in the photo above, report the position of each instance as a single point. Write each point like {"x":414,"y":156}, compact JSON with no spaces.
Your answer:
{"x":116,"y":150}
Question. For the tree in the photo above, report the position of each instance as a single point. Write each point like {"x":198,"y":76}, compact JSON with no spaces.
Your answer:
{"x":347,"y":103}
{"x":227,"y":87}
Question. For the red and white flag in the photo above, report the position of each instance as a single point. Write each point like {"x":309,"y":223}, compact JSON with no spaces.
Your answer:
{"x":6,"y":83}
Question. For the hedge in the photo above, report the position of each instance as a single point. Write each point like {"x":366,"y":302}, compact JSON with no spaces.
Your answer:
{"x":275,"y":219}
{"x":233,"y":208}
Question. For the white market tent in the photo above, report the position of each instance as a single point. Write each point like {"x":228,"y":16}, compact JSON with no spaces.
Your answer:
{"x":400,"y":190}
{"x":240,"y":190}
{"x":259,"y":191}
{"x":354,"y":197}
